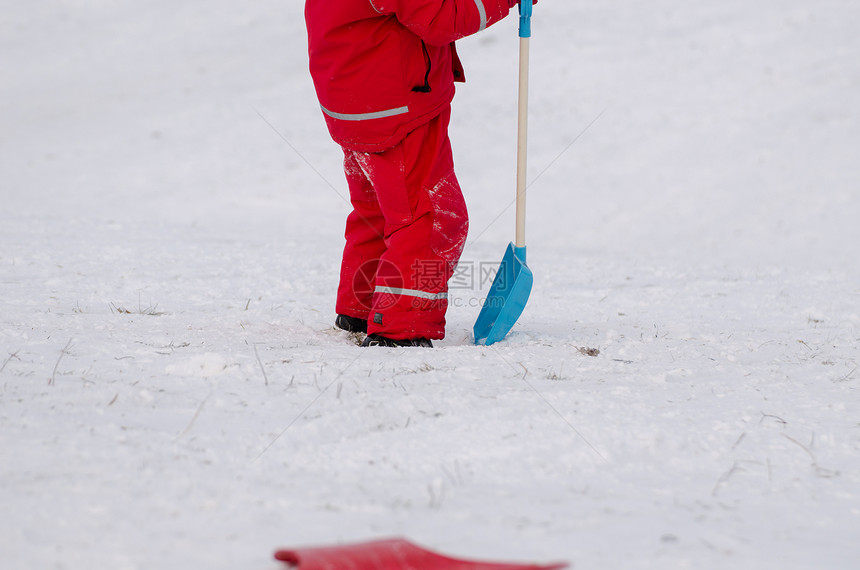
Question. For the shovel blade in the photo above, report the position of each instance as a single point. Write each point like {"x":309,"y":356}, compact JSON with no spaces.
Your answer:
{"x":506,"y":299}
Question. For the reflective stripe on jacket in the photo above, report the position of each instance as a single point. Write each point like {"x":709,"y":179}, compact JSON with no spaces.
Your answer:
{"x":381,"y":68}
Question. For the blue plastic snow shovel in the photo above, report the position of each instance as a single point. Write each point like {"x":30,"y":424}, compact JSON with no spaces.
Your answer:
{"x":513,"y":282}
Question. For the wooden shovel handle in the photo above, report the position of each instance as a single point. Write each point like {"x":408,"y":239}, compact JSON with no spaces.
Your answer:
{"x":522,"y":142}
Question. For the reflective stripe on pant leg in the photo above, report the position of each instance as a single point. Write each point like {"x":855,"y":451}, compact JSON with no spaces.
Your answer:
{"x":411,"y":293}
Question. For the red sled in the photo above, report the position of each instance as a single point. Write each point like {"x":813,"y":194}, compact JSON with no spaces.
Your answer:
{"x":389,"y":554}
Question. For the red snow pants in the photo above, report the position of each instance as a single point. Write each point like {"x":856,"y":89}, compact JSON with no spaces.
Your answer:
{"x":404,"y":236}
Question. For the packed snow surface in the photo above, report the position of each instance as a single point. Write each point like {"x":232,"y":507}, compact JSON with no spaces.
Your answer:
{"x":682,"y":390}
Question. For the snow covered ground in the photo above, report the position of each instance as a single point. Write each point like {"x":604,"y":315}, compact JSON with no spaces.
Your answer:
{"x":681,"y":392}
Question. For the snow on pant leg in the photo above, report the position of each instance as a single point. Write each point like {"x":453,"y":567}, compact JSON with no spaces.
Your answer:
{"x":364,"y":247}
{"x":425,"y":230}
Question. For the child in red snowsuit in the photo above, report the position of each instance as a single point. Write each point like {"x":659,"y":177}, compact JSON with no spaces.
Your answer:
{"x":384,"y":73}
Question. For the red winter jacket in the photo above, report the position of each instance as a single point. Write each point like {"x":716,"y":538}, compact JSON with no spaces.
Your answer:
{"x":381,"y":68}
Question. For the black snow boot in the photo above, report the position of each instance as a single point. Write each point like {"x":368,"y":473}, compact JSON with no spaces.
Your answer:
{"x":378,"y":340}
{"x":351,"y":324}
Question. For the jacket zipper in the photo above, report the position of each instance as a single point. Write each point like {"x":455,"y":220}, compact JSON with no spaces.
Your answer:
{"x":426,"y":87}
